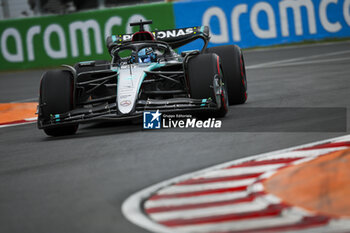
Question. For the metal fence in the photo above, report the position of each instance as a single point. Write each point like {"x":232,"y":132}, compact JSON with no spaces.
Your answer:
{"x":24,"y":8}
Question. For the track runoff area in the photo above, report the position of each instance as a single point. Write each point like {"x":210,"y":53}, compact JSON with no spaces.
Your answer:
{"x":12,"y":114}
{"x":300,"y":189}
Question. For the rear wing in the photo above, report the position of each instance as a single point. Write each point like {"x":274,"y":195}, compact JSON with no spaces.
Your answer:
{"x":174,"y":37}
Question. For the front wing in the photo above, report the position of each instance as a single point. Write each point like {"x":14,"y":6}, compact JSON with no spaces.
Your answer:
{"x":107,"y":111}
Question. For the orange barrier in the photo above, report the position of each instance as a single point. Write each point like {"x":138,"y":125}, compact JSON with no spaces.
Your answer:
{"x":13,"y":112}
{"x":321,"y":185}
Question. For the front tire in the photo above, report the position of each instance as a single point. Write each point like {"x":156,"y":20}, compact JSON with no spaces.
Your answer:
{"x":234,"y":72}
{"x":56,"y":97}
{"x":205,"y":73}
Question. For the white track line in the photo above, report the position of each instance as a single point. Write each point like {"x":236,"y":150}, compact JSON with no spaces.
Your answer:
{"x":133,"y":210}
{"x":292,"y":47}
{"x":176,"y":189}
{"x":241,"y":225}
{"x":25,"y":100}
{"x":30,"y":121}
{"x":10,"y":125}
{"x":241,"y":171}
{"x":258,"y":204}
{"x":301,"y":154}
{"x":267,"y":64}
{"x":195,"y":200}
{"x":343,"y":139}
{"x":308,"y":62}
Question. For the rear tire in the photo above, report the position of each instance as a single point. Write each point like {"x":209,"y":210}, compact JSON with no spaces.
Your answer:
{"x":202,"y":70}
{"x":57,"y":96}
{"x":234,"y":72}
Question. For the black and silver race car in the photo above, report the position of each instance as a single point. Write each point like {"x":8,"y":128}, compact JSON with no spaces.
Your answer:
{"x":145,"y":74}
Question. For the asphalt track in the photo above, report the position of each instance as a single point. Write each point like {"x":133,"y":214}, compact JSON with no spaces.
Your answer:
{"x":78,"y":183}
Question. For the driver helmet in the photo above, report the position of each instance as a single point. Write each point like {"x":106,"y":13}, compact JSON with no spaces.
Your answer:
{"x":146,"y":55}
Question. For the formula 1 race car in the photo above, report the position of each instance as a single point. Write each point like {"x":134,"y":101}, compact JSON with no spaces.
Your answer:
{"x":145,"y":74}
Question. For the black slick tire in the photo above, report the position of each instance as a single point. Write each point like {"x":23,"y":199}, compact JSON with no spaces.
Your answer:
{"x":202,"y":70}
{"x":56,"y":97}
{"x":234,"y":72}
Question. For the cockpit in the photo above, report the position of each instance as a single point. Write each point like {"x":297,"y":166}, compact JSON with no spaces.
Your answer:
{"x":142,"y":53}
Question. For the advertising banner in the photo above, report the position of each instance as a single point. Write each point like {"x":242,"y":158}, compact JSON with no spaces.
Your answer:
{"x":66,"y":39}
{"x":266,"y":22}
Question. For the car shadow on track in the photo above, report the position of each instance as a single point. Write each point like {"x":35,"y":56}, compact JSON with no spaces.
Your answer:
{"x":102,"y":129}
{"x":238,"y":120}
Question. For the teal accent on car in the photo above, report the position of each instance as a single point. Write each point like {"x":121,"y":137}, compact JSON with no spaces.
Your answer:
{"x":117,"y":71}
{"x":85,"y":62}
